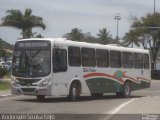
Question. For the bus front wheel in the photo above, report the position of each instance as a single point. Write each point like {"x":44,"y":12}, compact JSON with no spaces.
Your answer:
{"x":73,"y":92}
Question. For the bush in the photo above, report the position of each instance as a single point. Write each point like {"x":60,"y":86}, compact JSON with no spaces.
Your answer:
{"x":3,"y":72}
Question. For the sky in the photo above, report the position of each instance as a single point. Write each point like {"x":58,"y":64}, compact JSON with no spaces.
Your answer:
{"x":60,"y":16}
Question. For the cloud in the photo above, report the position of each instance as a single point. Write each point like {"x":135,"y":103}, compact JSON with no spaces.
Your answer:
{"x":61,"y":16}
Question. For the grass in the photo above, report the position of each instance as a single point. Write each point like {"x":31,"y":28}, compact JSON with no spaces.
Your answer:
{"x":4,"y":85}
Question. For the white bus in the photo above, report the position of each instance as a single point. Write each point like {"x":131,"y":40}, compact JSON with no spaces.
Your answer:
{"x":60,"y":67}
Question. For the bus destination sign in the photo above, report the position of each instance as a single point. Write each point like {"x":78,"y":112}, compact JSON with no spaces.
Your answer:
{"x":33,"y":44}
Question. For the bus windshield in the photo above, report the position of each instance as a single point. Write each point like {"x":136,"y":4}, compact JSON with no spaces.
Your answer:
{"x":31,"y":61}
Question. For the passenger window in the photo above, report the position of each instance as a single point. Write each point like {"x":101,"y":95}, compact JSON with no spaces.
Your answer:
{"x":102,"y":57}
{"x":88,"y":57}
{"x":138,"y":60}
{"x":59,"y":60}
{"x":115,"y":59}
{"x":127,"y":60}
{"x":74,"y":56}
{"x":146,"y":61}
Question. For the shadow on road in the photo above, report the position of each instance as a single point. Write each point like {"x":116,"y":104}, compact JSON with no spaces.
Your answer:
{"x":80,"y":99}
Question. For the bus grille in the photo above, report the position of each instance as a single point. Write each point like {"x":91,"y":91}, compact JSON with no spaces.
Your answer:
{"x":28,"y":89}
{"x":26,"y":82}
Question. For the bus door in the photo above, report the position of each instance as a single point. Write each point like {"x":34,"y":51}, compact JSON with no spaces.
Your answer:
{"x":59,"y":87}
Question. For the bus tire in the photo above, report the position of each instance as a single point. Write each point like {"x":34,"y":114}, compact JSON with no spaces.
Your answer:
{"x":73,"y":92}
{"x":40,"y":97}
{"x":126,"y":89}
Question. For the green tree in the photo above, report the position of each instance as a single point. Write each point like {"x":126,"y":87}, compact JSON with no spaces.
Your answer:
{"x":90,"y":38}
{"x":104,"y":36}
{"x":130,"y":38}
{"x":39,"y":36}
{"x":24,"y":22}
{"x":5,"y":48}
{"x":75,"y":35}
{"x":145,"y":31}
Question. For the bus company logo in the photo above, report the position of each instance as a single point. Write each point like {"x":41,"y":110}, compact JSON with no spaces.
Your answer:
{"x":86,"y":69}
{"x":150,"y":117}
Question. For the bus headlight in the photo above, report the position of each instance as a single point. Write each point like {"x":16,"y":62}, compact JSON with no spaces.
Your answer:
{"x":44,"y":83}
{"x":14,"y":82}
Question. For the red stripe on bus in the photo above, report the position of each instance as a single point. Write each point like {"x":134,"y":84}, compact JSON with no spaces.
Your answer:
{"x":103,"y":75}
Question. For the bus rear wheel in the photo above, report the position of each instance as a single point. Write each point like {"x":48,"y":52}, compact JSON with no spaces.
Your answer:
{"x":126,"y":90}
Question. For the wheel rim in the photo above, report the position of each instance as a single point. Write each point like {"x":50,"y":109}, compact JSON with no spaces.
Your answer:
{"x":74,"y":92}
{"x":127,"y":89}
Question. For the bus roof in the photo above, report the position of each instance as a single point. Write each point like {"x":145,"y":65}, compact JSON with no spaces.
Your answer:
{"x":65,"y":42}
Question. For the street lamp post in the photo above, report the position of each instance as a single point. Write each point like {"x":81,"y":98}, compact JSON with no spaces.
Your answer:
{"x":154,"y":6}
{"x":117,"y":18}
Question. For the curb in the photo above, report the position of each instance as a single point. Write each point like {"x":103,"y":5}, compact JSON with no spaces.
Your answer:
{"x":6,"y":95}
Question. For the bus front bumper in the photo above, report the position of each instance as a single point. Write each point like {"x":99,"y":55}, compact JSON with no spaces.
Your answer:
{"x":31,"y":90}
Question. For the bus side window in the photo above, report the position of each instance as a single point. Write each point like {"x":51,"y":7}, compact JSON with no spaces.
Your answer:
{"x":127,"y":60}
{"x":88,"y":57}
{"x":146,"y":61}
{"x":74,"y":56}
{"x":138,"y":60}
{"x":102,"y":57}
{"x":59,"y":60}
{"x":115,"y":59}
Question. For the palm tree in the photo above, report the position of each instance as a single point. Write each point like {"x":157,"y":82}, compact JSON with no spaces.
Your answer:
{"x":104,"y":36}
{"x":24,"y":22}
{"x":75,"y":35}
{"x":131,"y":38}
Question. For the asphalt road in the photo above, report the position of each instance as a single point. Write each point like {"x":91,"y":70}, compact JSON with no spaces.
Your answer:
{"x":142,"y":104}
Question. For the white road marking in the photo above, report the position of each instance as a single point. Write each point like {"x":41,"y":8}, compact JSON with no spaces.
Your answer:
{"x":115,"y":110}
